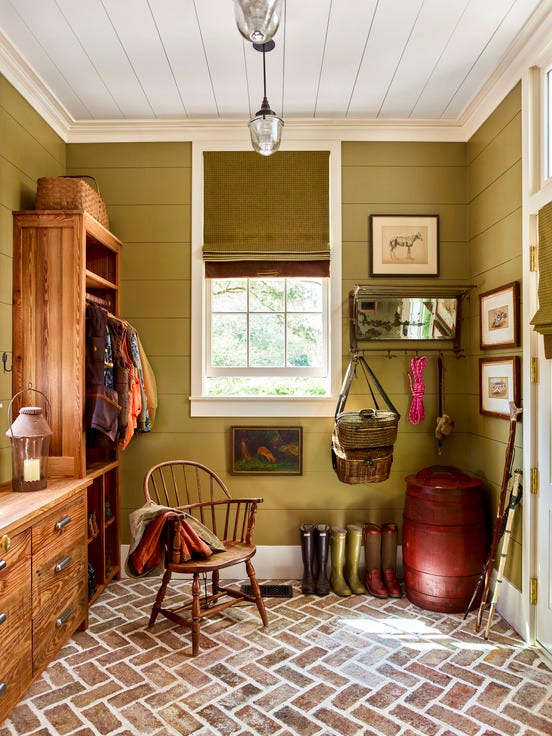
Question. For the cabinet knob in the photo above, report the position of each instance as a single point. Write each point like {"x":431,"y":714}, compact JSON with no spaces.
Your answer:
{"x":2,"y":564}
{"x":2,"y":617}
{"x":3,"y":687}
{"x":62,"y":522}
{"x":62,"y":564}
{"x":5,"y":543}
{"x":65,"y":616}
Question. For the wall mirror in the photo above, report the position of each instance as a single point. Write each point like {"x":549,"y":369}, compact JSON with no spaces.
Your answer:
{"x":406,"y":313}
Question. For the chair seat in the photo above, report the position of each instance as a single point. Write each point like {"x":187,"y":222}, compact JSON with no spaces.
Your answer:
{"x":236,"y":552}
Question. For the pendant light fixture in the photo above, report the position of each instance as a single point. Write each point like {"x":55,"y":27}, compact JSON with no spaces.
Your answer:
{"x":258,"y":20}
{"x":266,"y":127}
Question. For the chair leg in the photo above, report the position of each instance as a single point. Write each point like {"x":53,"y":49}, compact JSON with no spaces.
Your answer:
{"x":159,"y":598}
{"x":256,"y":592}
{"x":196,"y":613}
{"x":215,"y":578}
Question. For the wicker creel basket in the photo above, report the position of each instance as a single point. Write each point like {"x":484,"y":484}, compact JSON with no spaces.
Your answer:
{"x":370,"y":465}
{"x":71,"y":193}
{"x":366,"y":428}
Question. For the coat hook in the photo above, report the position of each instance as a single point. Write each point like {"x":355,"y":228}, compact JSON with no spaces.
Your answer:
{"x":4,"y":361}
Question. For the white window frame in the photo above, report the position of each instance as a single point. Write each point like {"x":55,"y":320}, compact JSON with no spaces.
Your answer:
{"x":202,"y":405}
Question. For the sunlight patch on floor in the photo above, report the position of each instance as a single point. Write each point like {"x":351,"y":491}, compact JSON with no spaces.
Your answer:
{"x":413,"y":633}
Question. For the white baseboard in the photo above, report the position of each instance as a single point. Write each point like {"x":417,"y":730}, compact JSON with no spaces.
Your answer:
{"x":274,"y":562}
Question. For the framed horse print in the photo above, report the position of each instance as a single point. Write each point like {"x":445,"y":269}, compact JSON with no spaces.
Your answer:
{"x":404,"y":245}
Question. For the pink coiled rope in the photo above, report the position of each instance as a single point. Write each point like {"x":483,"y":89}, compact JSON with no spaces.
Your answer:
{"x":417,"y":388}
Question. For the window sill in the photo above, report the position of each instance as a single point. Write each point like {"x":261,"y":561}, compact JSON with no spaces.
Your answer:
{"x":253,"y":406}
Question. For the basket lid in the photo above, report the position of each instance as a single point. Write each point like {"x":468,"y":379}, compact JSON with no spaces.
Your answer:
{"x":442,"y":476}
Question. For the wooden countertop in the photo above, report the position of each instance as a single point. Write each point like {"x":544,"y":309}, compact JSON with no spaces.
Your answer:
{"x":22,"y":508}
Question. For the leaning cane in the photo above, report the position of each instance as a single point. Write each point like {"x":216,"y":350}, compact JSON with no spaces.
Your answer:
{"x":515,"y":496}
{"x":514,"y":412}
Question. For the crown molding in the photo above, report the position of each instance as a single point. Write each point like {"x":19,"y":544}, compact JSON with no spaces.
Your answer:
{"x":33,"y":88}
{"x":530,"y":44}
{"x":237,"y":130}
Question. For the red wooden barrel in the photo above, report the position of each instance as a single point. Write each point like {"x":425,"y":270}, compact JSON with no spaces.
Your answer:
{"x":444,"y":539}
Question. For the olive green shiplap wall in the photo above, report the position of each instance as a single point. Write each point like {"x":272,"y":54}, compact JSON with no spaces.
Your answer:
{"x":29,"y":148}
{"x":495,"y":233}
{"x":147,"y":189}
{"x":417,"y":179}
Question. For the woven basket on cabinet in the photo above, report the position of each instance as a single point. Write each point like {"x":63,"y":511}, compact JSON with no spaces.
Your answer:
{"x":71,"y":193}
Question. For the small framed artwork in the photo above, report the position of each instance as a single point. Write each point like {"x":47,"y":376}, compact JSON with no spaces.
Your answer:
{"x":404,"y":245}
{"x":498,"y":385}
{"x":267,"y":450}
{"x":499,"y":317}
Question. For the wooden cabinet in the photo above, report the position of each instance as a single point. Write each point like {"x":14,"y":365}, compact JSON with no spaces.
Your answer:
{"x":61,"y":258}
{"x":42,"y":580}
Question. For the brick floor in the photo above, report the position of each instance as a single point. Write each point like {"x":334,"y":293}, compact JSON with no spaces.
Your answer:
{"x":323,"y":667}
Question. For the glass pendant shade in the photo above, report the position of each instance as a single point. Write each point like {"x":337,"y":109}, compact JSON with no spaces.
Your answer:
{"x":258,"y":20}
{"x":266,"y":130}
{"x":30,"y":442}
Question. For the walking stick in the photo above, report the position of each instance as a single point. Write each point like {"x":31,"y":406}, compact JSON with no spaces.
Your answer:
{"x":486,"y":577}
{"x":515,"y":497}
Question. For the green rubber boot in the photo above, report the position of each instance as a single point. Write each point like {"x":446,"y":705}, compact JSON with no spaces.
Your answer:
{"x":337,"y":553}
{"x":353,"y":546}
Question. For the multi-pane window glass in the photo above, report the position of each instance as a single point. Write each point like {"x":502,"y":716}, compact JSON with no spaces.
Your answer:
{"x":267,"y":336}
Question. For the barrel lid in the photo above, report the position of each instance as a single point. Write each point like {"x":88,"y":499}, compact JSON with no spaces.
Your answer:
{"x":442,"y":476}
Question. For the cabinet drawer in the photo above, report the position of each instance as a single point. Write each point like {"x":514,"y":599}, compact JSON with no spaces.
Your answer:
{"x":63,"y":526}
{"x":55,"y":624}
{"x":56,"y":570}
{"x":15,"y":563}
{"x":15,"y":606}
{"x":15,"y":668}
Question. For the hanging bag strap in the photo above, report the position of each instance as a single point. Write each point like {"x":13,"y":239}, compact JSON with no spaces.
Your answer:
{"x":370,"y":376}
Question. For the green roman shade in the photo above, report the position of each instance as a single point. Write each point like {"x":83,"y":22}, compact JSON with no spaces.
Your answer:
{"x":542,"y":319}
{"x":266,"y":216}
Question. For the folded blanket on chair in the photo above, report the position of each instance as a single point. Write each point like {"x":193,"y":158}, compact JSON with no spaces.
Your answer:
{"x":146,"y":551}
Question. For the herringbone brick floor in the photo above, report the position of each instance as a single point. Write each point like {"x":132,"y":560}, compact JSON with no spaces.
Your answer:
{"x":328,"y":665}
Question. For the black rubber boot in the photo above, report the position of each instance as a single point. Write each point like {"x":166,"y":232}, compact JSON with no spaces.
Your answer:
{"x":322,"y":537}
{"x":307,"y":549}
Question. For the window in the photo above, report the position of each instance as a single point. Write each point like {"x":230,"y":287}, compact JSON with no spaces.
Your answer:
{"x":267,"y":337}
{"x":265,"y":344}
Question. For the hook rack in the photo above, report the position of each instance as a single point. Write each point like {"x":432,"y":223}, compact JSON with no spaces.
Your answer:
{"x":396,"y":352}
{"x":4,"y":362}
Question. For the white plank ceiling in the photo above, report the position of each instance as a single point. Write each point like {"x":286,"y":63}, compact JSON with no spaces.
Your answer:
{"x":113,"y":60}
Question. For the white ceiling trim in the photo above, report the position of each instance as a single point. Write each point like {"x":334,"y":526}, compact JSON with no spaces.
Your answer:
{"x":532,"y":42}
{"x":33,"y":89}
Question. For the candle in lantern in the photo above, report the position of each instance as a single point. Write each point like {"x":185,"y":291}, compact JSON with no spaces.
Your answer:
{"x":31,"y":469}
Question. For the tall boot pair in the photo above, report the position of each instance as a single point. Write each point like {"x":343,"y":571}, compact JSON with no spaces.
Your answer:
{"x":346,"y":546}
{"x":315,"y":539}
{"x":380,"y":545}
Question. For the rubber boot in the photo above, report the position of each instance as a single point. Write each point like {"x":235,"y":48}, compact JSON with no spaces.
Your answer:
{"x":389,"y":534}
{"x":353,"y":547}
{"x":307,"y":550}
{"x":322,"y":546}
{"x":372,"y":547}
{"x":337,"y":553}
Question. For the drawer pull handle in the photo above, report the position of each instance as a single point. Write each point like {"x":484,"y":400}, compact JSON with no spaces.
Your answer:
{"x":62,"y":564}
{"x":5,"y":543}
{"x":2,"y":564}
{"x":2,"y":618}
{"x":62,"y":522}
{"x":65,"y":616}
{"x":3,"y":687}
